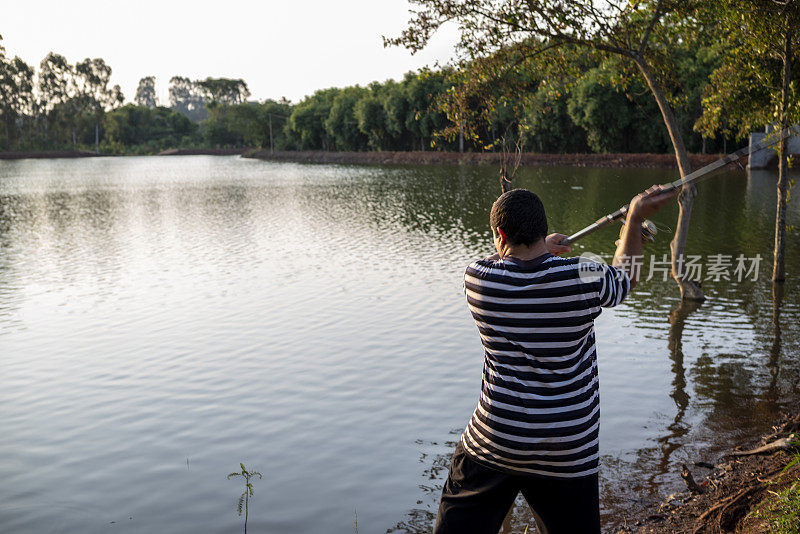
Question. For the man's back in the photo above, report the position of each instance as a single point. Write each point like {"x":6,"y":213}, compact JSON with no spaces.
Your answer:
{"x":536,"y":425}
{"x":539,"y":407}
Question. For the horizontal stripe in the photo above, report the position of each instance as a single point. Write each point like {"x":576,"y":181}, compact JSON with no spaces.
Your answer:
{"x":577,"y":454}
{"x":516,"y":454}
{"x":533,"y":284}
{"x":554,"y":352}
{"x":512,"y":397}
{"x":533,"y":320}
{"x":531,"y":377}
{"x":512,"y":270}
{"x":536,"y":430}
{"x":562,"y":417}
{"x":493,"y":344}
{"x":523,"y":360}
{"x":566,"y":332}
{"x":532,"y":305}
{"x":554,"y":275}
{"x":526,"y":388}
{"x":538,"y":336}
{"x":584,"y":469}
{"x":558,"y":300}
{"x":516,"y":411}
{"x":524,"y":445}
{"x":561,"y":288}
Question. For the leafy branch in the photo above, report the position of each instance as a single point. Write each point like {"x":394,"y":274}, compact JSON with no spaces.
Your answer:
{"x":247,"y":494}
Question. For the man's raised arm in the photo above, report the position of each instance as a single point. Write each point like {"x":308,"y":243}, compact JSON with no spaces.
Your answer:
{"x":641,"y":207}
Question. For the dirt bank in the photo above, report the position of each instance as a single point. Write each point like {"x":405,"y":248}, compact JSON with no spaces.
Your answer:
{"x":204,"y":151}
{"x":48,"y":154}
{"x":666,"y":161}
{"x":731,"y":489}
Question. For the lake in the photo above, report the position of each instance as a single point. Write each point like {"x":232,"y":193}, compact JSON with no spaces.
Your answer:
{"x":164,"y":319}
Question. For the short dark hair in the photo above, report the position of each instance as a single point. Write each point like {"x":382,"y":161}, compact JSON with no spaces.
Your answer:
{"x":520,"y":213}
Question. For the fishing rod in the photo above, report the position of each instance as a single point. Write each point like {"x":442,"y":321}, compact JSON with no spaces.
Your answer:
{"x":648,"y":228}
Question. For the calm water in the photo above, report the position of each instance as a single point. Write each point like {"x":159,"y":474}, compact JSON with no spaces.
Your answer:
{"x":163,"y":319}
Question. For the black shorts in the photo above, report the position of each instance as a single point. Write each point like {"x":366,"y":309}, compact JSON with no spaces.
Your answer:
{"x":476,"y":499}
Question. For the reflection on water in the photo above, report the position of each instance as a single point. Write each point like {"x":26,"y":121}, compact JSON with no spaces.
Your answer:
{"x":157,"y":313}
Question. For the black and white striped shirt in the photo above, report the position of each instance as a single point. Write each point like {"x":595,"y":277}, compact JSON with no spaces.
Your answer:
{"x":538,"y":412}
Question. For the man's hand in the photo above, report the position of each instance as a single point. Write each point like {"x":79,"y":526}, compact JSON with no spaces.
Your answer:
{"x":646,"y":204}
{"x":553,"y":247}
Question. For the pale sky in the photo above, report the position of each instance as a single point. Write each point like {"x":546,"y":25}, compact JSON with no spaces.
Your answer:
{"x":280,"y":48}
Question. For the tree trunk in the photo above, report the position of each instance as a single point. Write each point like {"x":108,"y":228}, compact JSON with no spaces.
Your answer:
{"x":96,"y":136}
{"x":779,"y":263}
{"x":690,"y":289}
{"x":775,"y":349}
{"x":271,"y":144}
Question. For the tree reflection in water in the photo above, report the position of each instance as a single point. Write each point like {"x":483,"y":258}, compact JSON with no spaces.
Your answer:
{"x":677,"y":429}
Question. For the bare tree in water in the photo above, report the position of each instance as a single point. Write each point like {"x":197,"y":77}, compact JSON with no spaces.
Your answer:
{"x":509,"y":162}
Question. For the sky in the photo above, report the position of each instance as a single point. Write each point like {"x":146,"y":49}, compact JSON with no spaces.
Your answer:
{"x":284,"y":48}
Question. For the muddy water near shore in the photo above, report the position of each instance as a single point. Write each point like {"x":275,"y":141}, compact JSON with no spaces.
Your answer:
{"x":163,"y":319}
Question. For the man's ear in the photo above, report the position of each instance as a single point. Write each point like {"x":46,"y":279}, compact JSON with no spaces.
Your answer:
{"x":503,"y":237}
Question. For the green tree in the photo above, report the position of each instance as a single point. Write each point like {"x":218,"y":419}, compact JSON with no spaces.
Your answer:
{"x":224,"y":91}
{"x":93,"y":94}
{"x":53,"y":83}
{"x":146,"y":92}
{"x":699,"y":55}
{"x":140,"y":129}
{"x":24,"y":102}
{"x":612,"y":119}
{"x":638,"y":31}
{"x":186,"y":97}
{"x":16,"y":91}
{"x":306,"y":125}
{"x":423,"y":117}
{"x":342,"y":124}
{"x":548,"y":128}
{"x":222,"y":94}
{"x":754,"y":85}
{"x":371,"y":118}
{"x":276,"y":116}
{"x":395,"y":110}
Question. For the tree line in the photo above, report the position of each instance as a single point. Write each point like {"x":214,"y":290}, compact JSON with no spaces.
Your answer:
{"x":596,"y":107}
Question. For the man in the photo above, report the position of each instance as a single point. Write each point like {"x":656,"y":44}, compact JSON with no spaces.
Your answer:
{"x":535,"y":429}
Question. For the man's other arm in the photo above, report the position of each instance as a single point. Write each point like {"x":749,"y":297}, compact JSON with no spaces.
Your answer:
{"x":641,"y":207}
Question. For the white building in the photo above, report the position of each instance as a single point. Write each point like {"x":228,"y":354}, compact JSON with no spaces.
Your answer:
{"x":767,"y":156}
